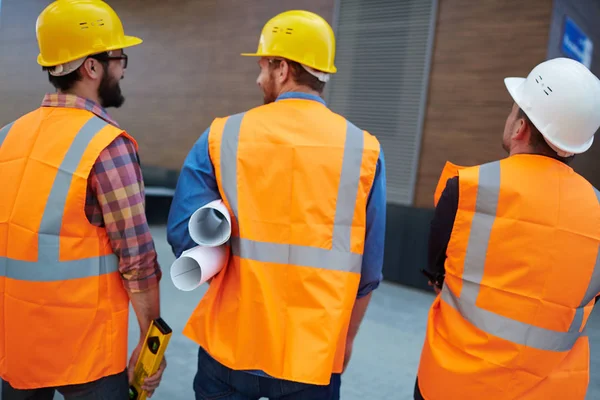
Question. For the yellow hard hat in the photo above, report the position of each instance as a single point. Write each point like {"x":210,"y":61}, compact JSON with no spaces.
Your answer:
{"x":300,"y":36}
{"x":68,"y":30}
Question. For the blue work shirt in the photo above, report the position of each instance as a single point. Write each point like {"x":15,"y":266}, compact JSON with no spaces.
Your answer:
{"x":197,"y":186}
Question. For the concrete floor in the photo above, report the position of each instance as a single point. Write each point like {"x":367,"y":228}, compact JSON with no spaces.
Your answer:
{"x":386,"y":353}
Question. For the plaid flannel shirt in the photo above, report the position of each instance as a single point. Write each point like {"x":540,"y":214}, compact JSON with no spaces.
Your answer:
{"x":115,"y":200}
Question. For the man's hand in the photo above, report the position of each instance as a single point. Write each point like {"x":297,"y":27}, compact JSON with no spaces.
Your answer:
{"x":133,"y":360}
{"x":151,"y":383}
{"x":436,"y":288}
{"x":347,"y":354}
{"x":358,"y":312}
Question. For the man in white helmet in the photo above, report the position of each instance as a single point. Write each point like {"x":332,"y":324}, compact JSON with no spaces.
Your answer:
{"x":514,"y":248}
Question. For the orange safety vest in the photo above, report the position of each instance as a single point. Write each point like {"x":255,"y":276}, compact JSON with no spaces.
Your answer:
{"x":64,"y":308}
{"x":522,"y":272}
{"x":296,"y":178}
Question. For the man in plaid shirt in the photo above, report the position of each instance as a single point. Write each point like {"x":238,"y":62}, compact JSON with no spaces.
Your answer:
{"x":115,"y":189}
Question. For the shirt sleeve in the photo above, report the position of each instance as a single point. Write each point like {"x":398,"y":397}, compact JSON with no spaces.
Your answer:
{"x":196,"y":187}
{"x":372,"y":265}
{"x":441,"y":226}
{"x":116,"y":182}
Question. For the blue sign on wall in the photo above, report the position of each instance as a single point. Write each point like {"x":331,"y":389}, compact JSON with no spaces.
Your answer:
{"x":576,"y":44}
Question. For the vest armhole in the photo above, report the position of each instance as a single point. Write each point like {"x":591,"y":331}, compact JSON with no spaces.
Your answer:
{"x":98,"y":144}
{"x":468,"y":184}
{"x":371,"y":154}
{"x":215,"y":133}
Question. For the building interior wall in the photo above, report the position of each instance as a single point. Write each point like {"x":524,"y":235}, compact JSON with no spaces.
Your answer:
{"x":187,"y":72}
{"x":477,"y":45}
{"x":383,"y":55}
{"x":586,"y":14}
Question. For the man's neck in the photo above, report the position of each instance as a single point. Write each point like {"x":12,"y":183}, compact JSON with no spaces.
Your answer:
{"x":300,"y":89}
{"x":532,"y":152}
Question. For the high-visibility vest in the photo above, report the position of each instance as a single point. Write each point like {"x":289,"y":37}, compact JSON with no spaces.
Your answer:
{"x":64,"y":308}
{"x":522,"y":272}
{"x":296,"y":178}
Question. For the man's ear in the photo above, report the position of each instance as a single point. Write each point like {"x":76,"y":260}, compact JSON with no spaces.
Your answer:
{"x":92,"y":69}
{"x":284,"y":72}
{"x":521,"y":129}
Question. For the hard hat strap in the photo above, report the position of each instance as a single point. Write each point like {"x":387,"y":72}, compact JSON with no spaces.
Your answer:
{"x":558,"y":151}
{"x":322,"y":76}
{"x":66,"y":68}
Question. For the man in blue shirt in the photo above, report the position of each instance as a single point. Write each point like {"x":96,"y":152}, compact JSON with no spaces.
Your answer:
{"x":198,"y":185}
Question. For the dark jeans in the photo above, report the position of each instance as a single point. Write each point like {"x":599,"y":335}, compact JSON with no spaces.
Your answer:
{"x":215,"y":381}
{"x":114,"y":387}
{"x":417,"y":394}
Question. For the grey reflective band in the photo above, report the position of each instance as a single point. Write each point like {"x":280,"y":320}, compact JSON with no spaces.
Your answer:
{"x":594,"y":285}
{"x":348,"y":188}
{"x":57,"y":270}
{"x":49,"y":231}
{"x":510,"y":329}
{"x":486,"y":205}
{"x":340,"y":257}
{"x":577,"y":320}
{"x":304,"y":256}
{"x":488,"y":193}
{"x":48,"y":267}
{"x":4,"y":132}
{"x":229,"y":149}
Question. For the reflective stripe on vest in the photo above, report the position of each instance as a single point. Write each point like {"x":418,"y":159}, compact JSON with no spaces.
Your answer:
{"x":488,"y":192}
{"x":4,"y":132}
{"x":48,"y":267}
{"x":591,"y":292}
{"x":339,"y":257}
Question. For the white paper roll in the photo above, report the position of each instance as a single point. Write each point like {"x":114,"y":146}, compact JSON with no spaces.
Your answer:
{"x":197,"y":265}
{"x":210,"y":225}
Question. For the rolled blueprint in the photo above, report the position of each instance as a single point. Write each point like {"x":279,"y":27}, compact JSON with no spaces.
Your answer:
{"x":210,"y":225}
{"x":197,"y":265}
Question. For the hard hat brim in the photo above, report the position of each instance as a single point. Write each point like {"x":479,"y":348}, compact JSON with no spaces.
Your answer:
{"x":128,"y":41}
{"x":513,"y":85}
{"x":332,"y":70}
{"x":131,"y":41}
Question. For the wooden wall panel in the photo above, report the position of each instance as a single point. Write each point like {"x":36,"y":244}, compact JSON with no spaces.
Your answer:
{"x":477,"y":44}
{"x":187,"y":72}
{"x":586,"y":14}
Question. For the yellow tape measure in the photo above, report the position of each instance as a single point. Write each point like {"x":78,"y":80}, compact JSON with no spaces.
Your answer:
{"x":152,"y":353}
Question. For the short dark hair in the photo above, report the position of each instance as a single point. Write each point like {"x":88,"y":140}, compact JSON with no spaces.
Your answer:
{"x":302,"y":77}
{"x":537,"y":141}
{"x":66,"y":82}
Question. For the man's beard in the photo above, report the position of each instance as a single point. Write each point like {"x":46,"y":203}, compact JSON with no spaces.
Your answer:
{"x":109,"y":92}
{"x":269,"y":95}
{"x":505,"y":146}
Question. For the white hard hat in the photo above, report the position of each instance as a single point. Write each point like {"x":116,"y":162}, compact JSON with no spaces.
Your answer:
{"x":561,"y":97}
